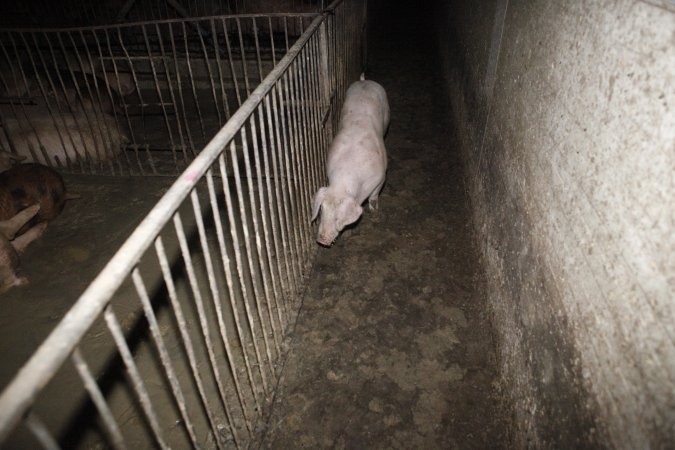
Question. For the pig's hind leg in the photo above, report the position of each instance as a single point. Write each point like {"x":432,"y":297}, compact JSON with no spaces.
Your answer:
{"x":21,"y":242}
{"x":374,"y":197}
{"x":10,"y":227}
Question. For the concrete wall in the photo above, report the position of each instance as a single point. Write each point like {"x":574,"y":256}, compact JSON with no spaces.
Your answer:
{"x":566,"y":111}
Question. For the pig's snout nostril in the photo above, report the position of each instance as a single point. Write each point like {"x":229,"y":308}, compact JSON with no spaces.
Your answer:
{"x":326,"y":242}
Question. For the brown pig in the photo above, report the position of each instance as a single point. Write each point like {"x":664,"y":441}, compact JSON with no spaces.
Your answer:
{"x":29,"y":184}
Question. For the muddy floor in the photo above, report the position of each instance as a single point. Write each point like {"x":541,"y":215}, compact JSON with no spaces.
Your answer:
{"x":393,"y":347}
{"x":66,"y":258}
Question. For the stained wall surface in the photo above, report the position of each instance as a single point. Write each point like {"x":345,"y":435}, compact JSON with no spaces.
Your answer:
{"x":566,"y":113}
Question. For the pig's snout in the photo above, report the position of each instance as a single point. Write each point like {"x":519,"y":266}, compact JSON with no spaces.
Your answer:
{"x":326,"y":236}
{"x":325,"y":240}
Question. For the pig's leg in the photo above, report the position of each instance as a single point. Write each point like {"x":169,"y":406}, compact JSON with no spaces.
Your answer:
{"x":9,"y":261}
{"x":21,"y":242}
{"x":372,"y":200}
{"x":11,"y":281}
{"x":9,"y":227}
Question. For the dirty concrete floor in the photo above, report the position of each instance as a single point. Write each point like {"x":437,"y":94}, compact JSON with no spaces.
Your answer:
{"x":393,"y":348}
{"x":67,"y":257}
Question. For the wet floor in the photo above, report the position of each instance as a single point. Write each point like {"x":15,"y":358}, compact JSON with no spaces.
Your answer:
{"x":393,"y":347}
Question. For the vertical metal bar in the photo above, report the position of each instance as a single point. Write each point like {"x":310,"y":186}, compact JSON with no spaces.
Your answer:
{"x":90,"y":62}
{"x":151,"y":63}
{"x":233,"y":72}
{"x":134,"y":374}
{"x":311,"y":104}
{"x":64,"y":114}
{"x":272,"y":201}
{"x":299,"y":163}
{"x":163,"y":354}
{"x":272,"y":44}
{"x":225,"y":259}
{"x":291,"y":177}
{"x":151,"y":60}
{"x":247,"y":229}
{"x":109,"y":423}
{"x":282,"y":193}
{"x":45,"y":95}
{"x":99,"y":147}
{"x":286,"y":33}
{"x":140,"y":97}
{"x":308,"y":127}
{"x":238,"y":258}
{"x":41,"y":433}
{"x":265,"y":269}
{"x":294,"y":166}
{"x":201,"y":312}
{"x":207,"y":63}
{"x":179,"y":83}
{"x":257,"y":49}
{"x":192,"y":81}
{"x":170,"y":86}
{"x":109,"y":91}
{"x":20,"y":123}
{"x":311,"y":182}
{"x":234,"y":234}
{"x":215,"y":293}
{"x":326,"y":79}
{"x":243,"y":57}
{"x":318,"y":109}
{"x":217,"y":52}
{"x":303,"y":155}
{"x":185,"y":336}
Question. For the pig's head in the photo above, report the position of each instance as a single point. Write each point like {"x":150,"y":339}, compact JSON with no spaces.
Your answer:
{"x":337,"y":211}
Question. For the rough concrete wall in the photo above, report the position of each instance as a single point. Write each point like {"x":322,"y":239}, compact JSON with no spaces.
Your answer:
{"x":570,"y":168}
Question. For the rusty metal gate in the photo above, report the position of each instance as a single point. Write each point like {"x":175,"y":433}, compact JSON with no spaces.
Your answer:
{"x":180,"y":339}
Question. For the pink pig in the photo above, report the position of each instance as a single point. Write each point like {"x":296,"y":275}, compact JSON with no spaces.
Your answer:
{"x":357,"y":160}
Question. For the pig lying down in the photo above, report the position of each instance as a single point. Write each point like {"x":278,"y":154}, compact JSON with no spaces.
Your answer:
{"x":73,"y":120}
{"x":62,"y":139}
{"x":357,"y":160}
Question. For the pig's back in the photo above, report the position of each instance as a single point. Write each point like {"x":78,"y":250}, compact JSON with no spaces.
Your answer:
{"x":357,"y":159}
{"x":366,"y":99}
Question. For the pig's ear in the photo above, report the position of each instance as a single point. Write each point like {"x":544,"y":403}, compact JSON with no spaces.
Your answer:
{"x":318,"y":200}
{"x":351,"y":211}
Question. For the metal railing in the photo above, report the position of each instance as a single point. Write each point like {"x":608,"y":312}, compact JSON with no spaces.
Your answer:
{"x":178,"y":341}
{"x":133,"y":99}
{"x":73,"y":13}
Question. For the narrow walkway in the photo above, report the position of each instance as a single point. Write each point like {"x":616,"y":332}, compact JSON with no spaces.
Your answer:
{"x":393,"y":348}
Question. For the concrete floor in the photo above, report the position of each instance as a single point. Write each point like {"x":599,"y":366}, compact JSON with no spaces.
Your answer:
{"x":62,"y":263}
{"x":393,"y":347}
